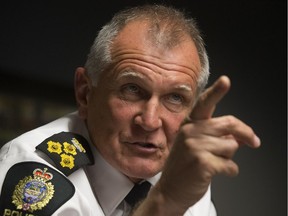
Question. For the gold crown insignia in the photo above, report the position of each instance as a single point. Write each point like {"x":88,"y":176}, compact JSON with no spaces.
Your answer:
{"x":42,"y":175}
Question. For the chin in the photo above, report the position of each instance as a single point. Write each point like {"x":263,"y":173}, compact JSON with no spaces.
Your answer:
{"x":142,"y":171}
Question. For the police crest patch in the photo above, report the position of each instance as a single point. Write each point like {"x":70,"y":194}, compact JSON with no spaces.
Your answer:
{"x":34,"y":193}
{"x":32,"y":188}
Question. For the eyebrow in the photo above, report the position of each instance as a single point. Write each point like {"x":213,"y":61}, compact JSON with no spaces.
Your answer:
{"x":131,"y":73}
{"x":184,"y":87}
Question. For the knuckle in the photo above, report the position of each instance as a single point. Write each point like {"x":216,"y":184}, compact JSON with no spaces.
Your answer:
{"x":187,"y":130}
{"x":233,"y":145}
{"x":230,"y":120}
{"x":230,"y":146}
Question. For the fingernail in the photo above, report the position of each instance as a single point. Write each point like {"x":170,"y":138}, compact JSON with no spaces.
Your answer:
{"x":257,"y":141}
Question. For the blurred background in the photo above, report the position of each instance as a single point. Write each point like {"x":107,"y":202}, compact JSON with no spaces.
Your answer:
{"x":42,"y":42}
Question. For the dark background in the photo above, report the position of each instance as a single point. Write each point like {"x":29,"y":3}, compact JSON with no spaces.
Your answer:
{"x":42,"y":42}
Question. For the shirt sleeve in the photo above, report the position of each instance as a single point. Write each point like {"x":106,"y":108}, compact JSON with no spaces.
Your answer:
{"x":204,"y":207}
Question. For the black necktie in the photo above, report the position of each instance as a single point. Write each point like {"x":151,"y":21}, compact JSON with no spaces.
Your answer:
{"x":138,"y":192}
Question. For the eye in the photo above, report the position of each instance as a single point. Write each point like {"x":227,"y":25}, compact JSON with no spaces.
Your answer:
{"x":131,"y":88}
{"x":131,"y":92}
{"x":175,"y":102}
{"x":175,"y":98}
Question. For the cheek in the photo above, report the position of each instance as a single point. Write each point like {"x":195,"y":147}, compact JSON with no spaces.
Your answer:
{"x":121,"y":112}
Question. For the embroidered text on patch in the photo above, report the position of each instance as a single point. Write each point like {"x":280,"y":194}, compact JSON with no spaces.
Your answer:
{"x":32,"y":194}
{"x":78,"y":145}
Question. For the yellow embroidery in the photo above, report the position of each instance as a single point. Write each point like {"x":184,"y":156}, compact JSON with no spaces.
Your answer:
{"x":67,"y":161}
{"x":32,"y":194}
{"x":69,"y":149}
{"x":78,"y":145}
{"x":54,"y":147}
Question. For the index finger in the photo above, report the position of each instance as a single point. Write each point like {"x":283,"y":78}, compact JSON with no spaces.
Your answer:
{"x":207,"y":101}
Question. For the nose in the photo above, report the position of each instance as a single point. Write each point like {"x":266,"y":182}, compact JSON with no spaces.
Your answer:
{"x":149,"y":116}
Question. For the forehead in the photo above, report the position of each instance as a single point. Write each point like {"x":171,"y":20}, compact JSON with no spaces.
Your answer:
{"x":136,"y":35}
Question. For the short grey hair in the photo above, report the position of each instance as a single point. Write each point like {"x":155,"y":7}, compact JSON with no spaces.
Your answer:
{"x":173,"y":22}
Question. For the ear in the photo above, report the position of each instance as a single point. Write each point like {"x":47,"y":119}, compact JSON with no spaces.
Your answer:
{"x":82,"y":90}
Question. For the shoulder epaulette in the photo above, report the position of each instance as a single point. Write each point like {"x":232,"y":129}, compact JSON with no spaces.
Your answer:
{"x":69,"y":151}
{"x":32,"y":188}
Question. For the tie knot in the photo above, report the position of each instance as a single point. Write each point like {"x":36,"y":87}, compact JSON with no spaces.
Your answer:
{"x":138,"y":192}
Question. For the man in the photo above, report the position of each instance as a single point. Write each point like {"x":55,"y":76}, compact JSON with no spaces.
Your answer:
{"x":137,"y":122}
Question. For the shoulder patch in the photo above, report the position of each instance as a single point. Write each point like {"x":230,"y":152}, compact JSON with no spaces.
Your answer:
{"x":69,"y":151}
{"x":32,"y":188}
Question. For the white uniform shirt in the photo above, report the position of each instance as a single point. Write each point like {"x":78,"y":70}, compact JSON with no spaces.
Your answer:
{"x":99,"y":188}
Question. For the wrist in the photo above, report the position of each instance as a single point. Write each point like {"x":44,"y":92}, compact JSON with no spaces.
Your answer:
{"x":159,"y":203}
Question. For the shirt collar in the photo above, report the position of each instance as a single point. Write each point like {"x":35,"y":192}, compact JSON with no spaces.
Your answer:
{"x":109,"y":185}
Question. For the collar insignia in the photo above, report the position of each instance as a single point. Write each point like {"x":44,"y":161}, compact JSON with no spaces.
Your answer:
{"x":68,"y":150}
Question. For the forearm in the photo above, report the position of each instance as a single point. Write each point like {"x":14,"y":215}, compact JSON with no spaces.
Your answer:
{"x":159,"y":204}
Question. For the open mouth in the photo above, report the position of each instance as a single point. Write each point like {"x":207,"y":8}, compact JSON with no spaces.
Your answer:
{"x":145,"y":145}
